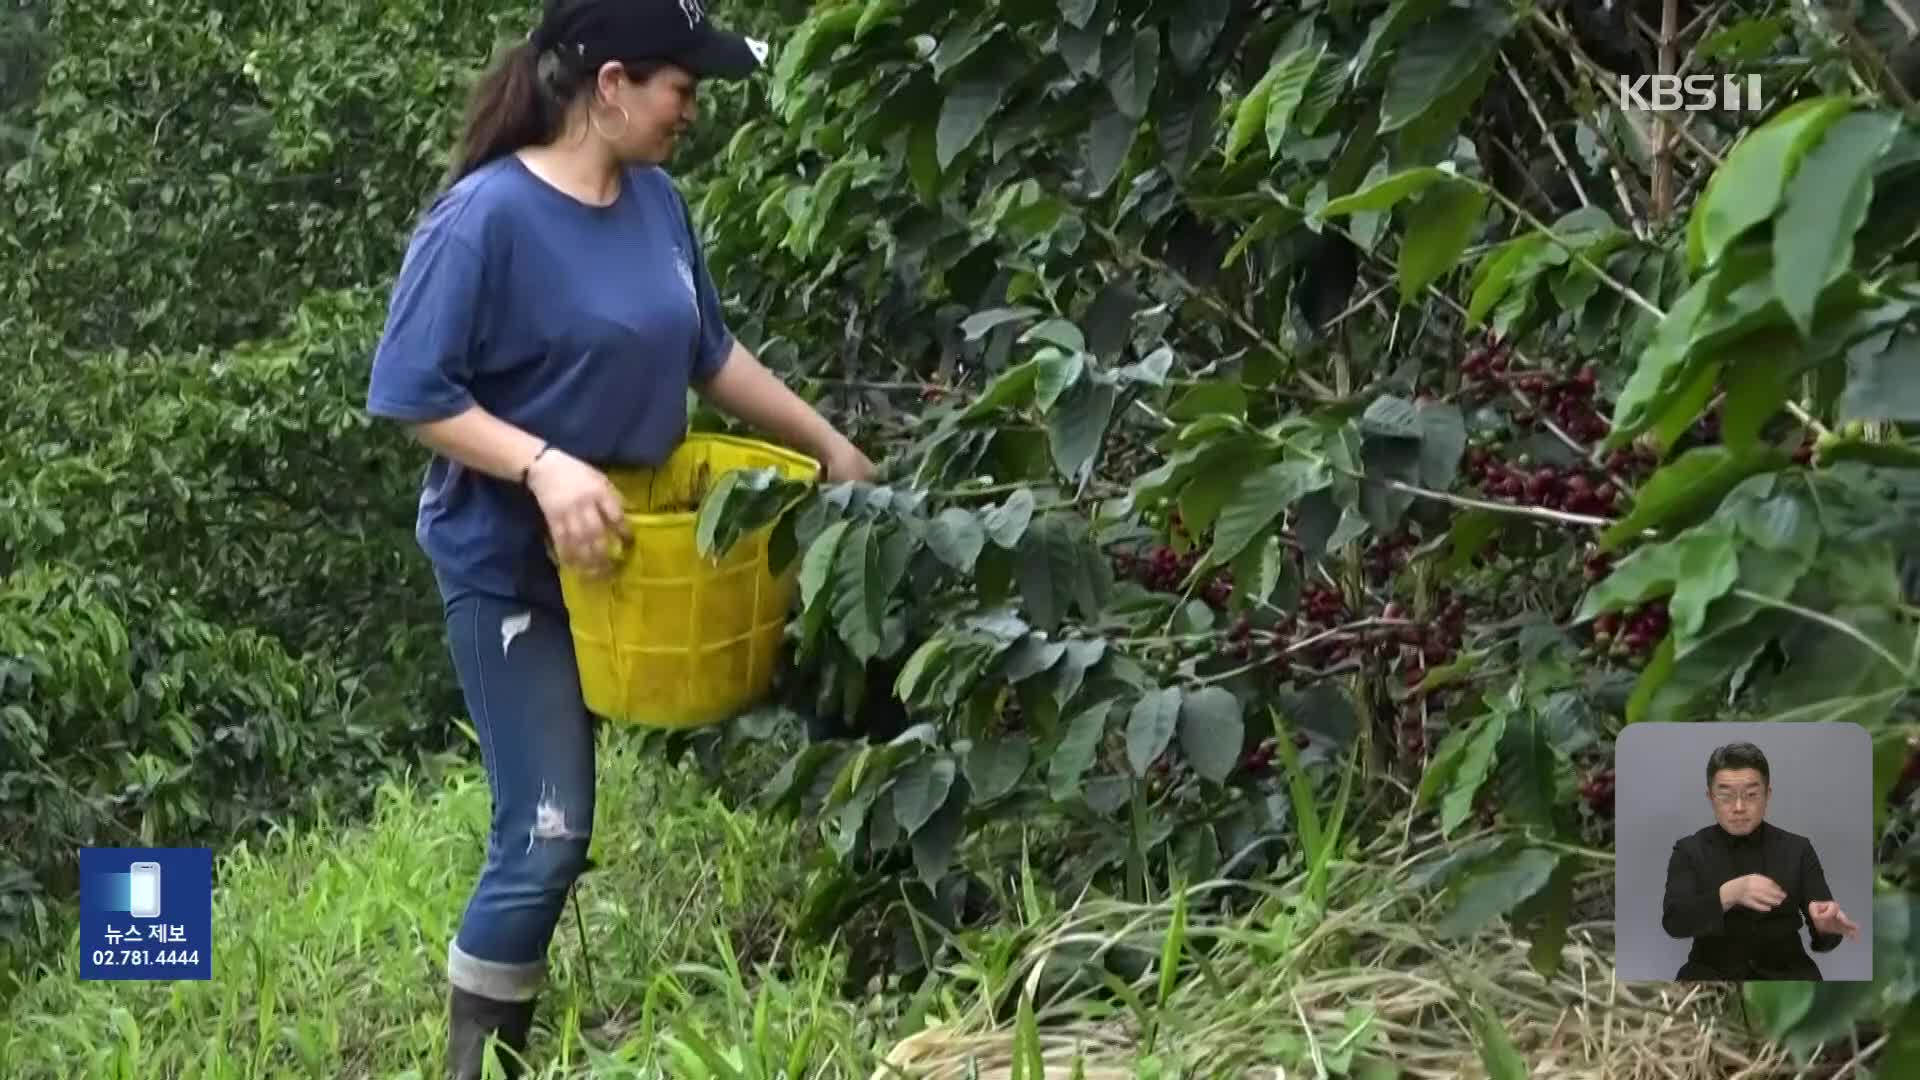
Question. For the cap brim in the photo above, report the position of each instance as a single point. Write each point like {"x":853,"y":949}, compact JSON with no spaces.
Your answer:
{"x":720,"y":54}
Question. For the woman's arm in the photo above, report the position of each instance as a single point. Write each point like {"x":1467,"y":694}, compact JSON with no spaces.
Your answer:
{"x":744,"y":388}
{"x":579,"y":503}
{"x":481,"y":441}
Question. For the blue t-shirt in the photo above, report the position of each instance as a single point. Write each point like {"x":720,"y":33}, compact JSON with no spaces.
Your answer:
{"x":582,"y":325}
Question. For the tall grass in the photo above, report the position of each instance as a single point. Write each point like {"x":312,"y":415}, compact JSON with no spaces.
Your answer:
{"x":330,"y":946}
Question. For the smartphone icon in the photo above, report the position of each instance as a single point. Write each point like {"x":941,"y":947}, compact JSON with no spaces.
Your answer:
{"x":144,"y":893}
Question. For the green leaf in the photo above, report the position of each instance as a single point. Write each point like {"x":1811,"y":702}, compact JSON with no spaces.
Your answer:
{"x":858,"y":604}
{"x":929,"y":659}
{"x":977,"y":325}
{"x":1495,"y":888}
{"x":1150,"y":727}
{"x":1075,"y":754}
{"x":1529,"y":772}
{"x":1058,"y":569}
{"x":1826,"y":203}
{"x":1441,"y":225}
{"x":1688,"y":488}
{"x":1496,"y":1047}
{"x":1784,"y":523}
{"x":1131,"y":73}
{"x":1883,"y":380}
{"x":877,"y":12}
{"x":817,"y":565}
{"x":956,"y":48}
{"x":1757,"y":385}
{"x":1058,"y":371}
{"x":956,"y":538}
{"x":1191,"y":37}
{"x":1443,"y":442}
{"x":816,"y":37}
{"x":934,"y":844}
{"x":1078,"y":427}
{"x":1291,"y":77}
{"x":1109,"y":140}
{"x":1641,"y":576}
{"x":920,"y":790}
{"x":1746,"y":189}
{"x":971,"y":103}
{"x":1838,"y":1009}
{"x":1031,"y":656}
{"x":1384,"y":193}
{"x":816,"y":570}
{"x":1212,"y":732}
{"x":1013,"y":386}
{"x":1258,"y":500}
{"x":1442,"y":56}
{"x":1393,"y":417}
{"x":994,"y":766}
{"x":1250,"y":118}
{"x":1708,"y":567}
{"x":1661,"y":363}
{"x":1060,"y":333}
{"x":1778,"y":1005}
{"x":1007,"y":523}
{"x":1078,"y":12}
{"x":1828,"y":665}
{"x":1186,"y":127}
{"x":1080,"y":48}
{"x":1459,"y":766}
{"x":1513,"y":265}
{"x":1744,"y":40}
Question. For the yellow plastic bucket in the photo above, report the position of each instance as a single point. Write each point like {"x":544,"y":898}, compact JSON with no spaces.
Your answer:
{"x":671,"y":639}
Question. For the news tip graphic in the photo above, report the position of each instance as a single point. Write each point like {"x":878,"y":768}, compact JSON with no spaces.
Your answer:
{"x":146,"y":913}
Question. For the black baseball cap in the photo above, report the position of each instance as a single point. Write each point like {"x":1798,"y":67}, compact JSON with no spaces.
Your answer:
{"x":678,"y":31}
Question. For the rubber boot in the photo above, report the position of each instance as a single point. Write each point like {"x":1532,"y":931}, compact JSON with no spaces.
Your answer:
{"x":470,"y":1019}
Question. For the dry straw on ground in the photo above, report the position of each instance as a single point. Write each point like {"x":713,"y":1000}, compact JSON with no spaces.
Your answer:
{"x":1366,"y":951}
{"x":1581,"y":1025}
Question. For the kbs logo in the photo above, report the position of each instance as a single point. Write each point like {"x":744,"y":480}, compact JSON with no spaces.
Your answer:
{"x":1692,"y":93}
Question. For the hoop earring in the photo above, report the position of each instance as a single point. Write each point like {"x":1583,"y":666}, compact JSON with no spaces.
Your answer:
{"x":625,"y":121}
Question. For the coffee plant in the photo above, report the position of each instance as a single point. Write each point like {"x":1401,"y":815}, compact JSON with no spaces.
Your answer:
{"x":1247,"y":409}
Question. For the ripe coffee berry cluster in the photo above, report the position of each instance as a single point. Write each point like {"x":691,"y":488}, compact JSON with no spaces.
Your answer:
{"x":1636,"y":633}
{"x":1387,"y":555}
{"x":1166,"y":570}
{"x":1486,"y":361}
{"x":1568,"y":399}
{"x":1554,"y":488}
{"x":1597,"y":789}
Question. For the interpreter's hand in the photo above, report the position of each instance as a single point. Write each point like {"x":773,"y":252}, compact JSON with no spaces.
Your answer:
{"x":583,"y":510}
{"x":1829,"y":919}
{"x":1756,"y":891}
{"x":845,"y":463}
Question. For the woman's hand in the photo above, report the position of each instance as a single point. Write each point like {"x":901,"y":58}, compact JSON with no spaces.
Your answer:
{"x":581,"y":507}
{"x":846,"y":463}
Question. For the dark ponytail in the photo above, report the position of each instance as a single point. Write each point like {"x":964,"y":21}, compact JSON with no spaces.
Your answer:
{"x":515,"y":104}
{"x":522,"y":100}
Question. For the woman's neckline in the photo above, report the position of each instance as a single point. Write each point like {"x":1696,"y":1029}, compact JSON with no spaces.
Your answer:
{"x":567,"y":197}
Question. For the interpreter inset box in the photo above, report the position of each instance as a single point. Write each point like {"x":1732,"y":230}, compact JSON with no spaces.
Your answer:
{"x":1744,"y":852}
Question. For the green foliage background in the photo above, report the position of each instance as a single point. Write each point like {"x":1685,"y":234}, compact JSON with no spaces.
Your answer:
{"x":1120,"y":244}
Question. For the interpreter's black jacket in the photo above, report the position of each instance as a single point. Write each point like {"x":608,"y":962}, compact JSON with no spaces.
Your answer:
{"x":1741,"y":943}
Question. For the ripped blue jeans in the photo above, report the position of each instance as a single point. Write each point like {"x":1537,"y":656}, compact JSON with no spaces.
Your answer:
{"x":516,"y":668}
